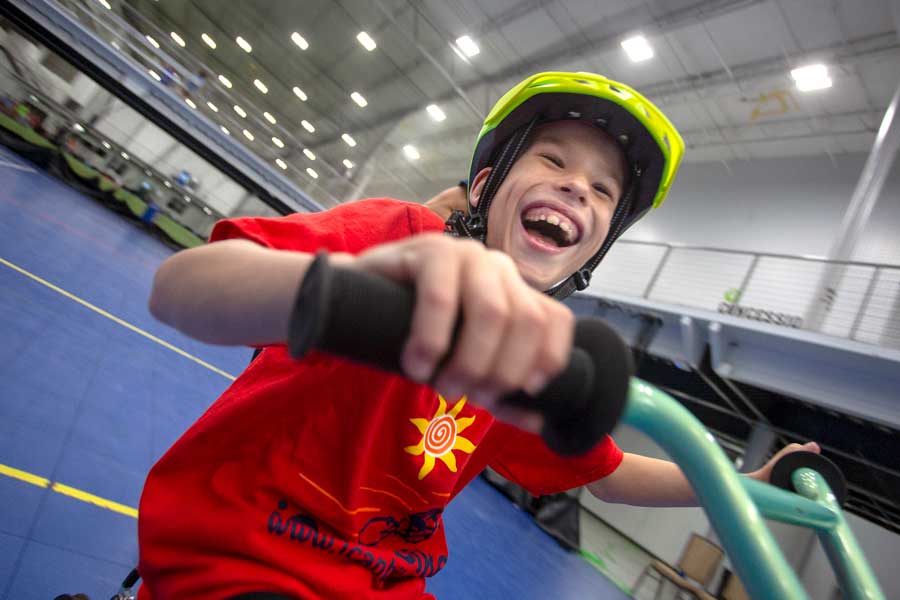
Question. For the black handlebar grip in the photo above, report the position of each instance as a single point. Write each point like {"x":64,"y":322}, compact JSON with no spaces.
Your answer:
{"x":366,"y":318}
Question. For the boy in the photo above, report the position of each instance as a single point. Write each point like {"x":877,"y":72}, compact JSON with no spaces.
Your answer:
{"x":320,"y":478}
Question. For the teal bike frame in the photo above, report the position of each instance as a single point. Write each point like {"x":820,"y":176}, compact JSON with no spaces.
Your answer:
{"x":737,"y":505}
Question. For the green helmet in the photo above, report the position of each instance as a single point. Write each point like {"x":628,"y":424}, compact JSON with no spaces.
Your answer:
{"x":651,"y":145}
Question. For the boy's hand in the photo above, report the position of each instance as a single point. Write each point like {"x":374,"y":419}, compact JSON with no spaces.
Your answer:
{"x":512,"y":337}
{"x":765,"y":473}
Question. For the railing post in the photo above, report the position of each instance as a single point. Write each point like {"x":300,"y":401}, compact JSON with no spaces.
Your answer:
{"x":865,"y":304}
{"x":656,"y":273}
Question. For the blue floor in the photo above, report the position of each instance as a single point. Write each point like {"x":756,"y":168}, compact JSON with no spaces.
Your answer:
{"x":91,"y":404}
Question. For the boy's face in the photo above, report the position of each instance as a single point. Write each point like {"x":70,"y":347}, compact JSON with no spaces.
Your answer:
{"x":553,"y":210}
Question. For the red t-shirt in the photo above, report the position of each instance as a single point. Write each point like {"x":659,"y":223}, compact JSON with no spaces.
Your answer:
{"x":320,"y":478}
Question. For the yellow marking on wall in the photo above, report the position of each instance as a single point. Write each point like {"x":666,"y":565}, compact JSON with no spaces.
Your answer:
{"x":116,"y":319}
{"x":69,"y":491}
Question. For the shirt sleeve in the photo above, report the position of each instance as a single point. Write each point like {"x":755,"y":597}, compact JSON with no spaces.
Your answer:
{"x":527,"y":461}
{"x":351,"y":227}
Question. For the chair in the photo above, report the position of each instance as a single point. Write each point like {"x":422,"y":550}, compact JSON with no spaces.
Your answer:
{"x":733,"y":589}
{"x":698,"y":563}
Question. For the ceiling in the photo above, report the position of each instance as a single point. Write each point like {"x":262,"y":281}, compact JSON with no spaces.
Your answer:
{"x":721,"y":72}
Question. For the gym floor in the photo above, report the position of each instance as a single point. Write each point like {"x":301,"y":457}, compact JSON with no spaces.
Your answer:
{"x":93,"y":390}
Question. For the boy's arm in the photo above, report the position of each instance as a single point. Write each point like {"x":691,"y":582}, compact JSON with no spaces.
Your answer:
{"x":643,"y":481}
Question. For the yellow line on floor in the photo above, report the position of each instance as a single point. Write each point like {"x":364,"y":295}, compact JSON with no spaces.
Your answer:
{"x":69,"y":491}
{"x":116,"y":319}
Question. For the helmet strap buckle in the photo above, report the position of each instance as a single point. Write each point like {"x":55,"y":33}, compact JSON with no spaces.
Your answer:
{"x":582,"y":278}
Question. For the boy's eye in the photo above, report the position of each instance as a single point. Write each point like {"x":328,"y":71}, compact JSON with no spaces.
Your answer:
{"x":554,"y":159}
{"x":602,"y":189}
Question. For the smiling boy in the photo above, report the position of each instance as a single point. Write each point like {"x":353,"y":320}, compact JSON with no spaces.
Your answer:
{"x":320,"y":478}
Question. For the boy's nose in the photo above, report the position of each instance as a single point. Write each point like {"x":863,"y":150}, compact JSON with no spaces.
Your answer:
{"x":574,"y":190}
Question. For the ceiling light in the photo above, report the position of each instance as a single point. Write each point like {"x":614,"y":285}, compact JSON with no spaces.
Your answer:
{"x":240,"y":111}
{"x":299,"y":93}
{"x":153,"y":42}
{"x":278,"y":142}
{"x":167,"y":184}
{"x":125,"y":156}
{"x":178,"y":39}
{"x":348,"y":163}
{"x":411,"y":152}
{"x":366,"y":40}
{"x":312,"y":172}
{"x":436,"y":113}
{"x":148,"y":173}
{"x":212,"y":107}
{"x":269,"y":117}
{"x":358,"y":98}
{"x":106,"y":145}
{"x":468,"y":46}
{"x":281,"y":163}
{"x":190,"y":103}
{"x":187,"y":199}
{"x":208,"y":41}
{"x":248,"y":135}
{"x":154,"y":75}
{"x":637,"y":48}
{"x":207,"y":211}
{"x":309,"y":154}
{"x":308,"y":126}
{"x":261,"y":86}
{"x":348,"y":140}
{"x":225,"y":81}
{"x":224,"y":130}
{"x":299,"y":40}
{"x":244,"y":44}
{"x":105,"y":4}
{"x":77,"y":127}
{"x":811,"y":77}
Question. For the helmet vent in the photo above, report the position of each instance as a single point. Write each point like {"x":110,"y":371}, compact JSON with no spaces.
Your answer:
{"x":623,"y":139}
{"x":601,"y":122}
{"x":574,"y":114}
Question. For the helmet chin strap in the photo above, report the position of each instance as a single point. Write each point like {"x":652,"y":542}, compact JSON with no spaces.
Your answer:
{"x":474,"y":223}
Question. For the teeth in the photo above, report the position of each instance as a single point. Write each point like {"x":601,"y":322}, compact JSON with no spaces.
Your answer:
{"x":542,"y":218}
{"x":553,"y":220}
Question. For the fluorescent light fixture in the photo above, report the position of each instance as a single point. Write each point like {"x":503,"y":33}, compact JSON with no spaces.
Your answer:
{"x":309,"y":154}
{"x":187,"y":199}
{"x":77,"y":127}
{"x":106,"y":145}
{"x":248,"y":135}
{"x":240,"y":111}
{"x":637,"y":48}
{"x":348,"y":163}
{"x":190,"y":103}
{"x":278,"y":142}
{"x":125,"y":156}
{"x":312,"y":172}
{"x":208,"y":41}
{"x":167,"y":184}
{"x":148,"y":173}
{"x":811,"y":77}
{"x":348,"y":140}
{"x":300,"y":93}
{"x":225,"y":81}
{"x":212,"y":107}
{"x":468,"y":46}
{"x":435,"y":112}
{"x":261,"y":86}
{"x":308,"y":126}
{"x":105,"y":4}
{"x":244,"y":44}
{"x":281,"y":163}
{"x":269,"y":117}
{"x":178,"y":39}
{"x":207,"y":211}
{"x":366,"y":40}
{"x":358,"y":98}
{"x":154,"y":75}
{"x":299,"y":40}
{"x":224,"y":130}
{"x":152,"y":41}
{"x":411,"y":153}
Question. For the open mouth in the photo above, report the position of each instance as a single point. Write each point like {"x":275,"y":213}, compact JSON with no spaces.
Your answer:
{"x":550,"y":227}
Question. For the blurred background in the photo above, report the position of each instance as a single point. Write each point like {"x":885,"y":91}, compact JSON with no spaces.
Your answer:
{"x":765,"y":293}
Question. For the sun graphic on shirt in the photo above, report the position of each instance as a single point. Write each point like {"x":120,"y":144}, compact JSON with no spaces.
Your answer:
{"x":440,"y":437}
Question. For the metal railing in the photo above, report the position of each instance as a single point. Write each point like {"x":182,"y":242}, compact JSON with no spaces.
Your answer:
{"x":767,"y":287}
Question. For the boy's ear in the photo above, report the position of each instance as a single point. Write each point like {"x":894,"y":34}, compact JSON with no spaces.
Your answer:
{"x":478,"y":185}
